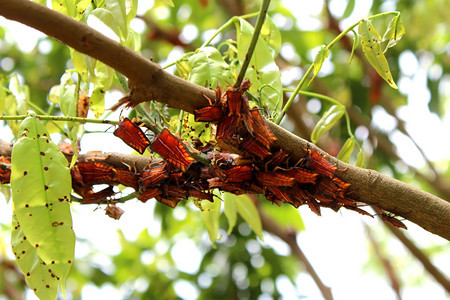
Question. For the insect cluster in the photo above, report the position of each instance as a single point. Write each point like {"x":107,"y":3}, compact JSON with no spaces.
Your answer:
{"x":242,"y":159}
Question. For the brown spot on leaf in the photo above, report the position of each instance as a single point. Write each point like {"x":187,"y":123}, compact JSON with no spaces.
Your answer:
{"x":46,"y":187}
{"x":37,"y":245}
{"x":26,"y":206}
{"x":45,"y":168}
{"x":28,"y":274}
{"x":23,"y":252}
{"x":42,"y":153}
{"x":25,"y":173}
{"x":69,"y":261}
{"x":47,"y":286}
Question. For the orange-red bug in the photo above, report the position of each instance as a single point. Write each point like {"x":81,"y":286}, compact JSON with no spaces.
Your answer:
{"x":313,"y":205}
{"x":302,"y":176}
{"x":83,"y":104}
{"x":208,"y":114}
{"x":358,"y":210}
{"x":234,"y":188}
{"x":274,"y":179}
{"x":239,"y":174}
{"x":97,"y":197}
{"x":172,"y":202}
{"x":132,"y":135}
{"x":228,"y":127}
{"x":320,"y":164}
{"x":262,"y":132}
{"x":201,"y":195}
{"x":95,"y":172}
{"x":154,"y":175}
{"x":172,"y":149}
{"x":251,"y":145}
{"x":280,"y":194}
{"x":391,"y":219}
{"x":277,"y":159}
{"x":148,"y":194}
{"x":126,"y":177}
{"x":5,"y":170}
{"x":114,"y":211}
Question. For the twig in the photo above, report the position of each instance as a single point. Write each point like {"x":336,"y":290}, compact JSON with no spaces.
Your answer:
{"x":289,"y":237}
{"x":424,"y":260}
{"x":395,"y":282}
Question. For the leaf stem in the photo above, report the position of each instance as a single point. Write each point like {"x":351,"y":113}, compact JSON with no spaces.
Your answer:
{"x":251,"y":47}
{"x":64,"y":119}
{"x":311,"y":67}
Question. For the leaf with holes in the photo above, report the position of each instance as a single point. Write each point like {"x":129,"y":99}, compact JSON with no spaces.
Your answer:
{"x":39,"y":276}
{"x":329,"y":118}
{"x":211,"y":213}
{"x":209,"y":68}
{"x":371,"y":46}
{"x":41,"y":186}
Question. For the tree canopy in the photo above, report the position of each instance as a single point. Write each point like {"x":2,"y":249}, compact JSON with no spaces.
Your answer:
{"x":258,"y":119}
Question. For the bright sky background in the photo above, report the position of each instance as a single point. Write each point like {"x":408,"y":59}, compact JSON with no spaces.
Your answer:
{"x":335,"y":243}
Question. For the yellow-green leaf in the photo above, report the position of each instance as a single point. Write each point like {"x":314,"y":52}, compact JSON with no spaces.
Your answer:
{"x":371,"y":46}
{"x":346,"y":150}
{"x":329,"y":118}
{"x":246,"y":208}
{"x":211,"y":213}
{"x":41,"y":186}
{"x":360,"y":159}
{"x":318,"y":61}
{"x":394,"y":32}
{"x":230,"y":211}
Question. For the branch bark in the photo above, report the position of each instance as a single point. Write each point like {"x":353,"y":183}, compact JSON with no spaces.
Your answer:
{"x":148,"y":80}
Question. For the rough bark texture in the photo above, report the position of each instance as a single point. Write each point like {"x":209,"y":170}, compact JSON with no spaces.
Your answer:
{"x":148,"y":81}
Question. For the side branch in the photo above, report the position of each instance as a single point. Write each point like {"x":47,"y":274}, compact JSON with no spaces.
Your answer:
{"x":148,"y":81}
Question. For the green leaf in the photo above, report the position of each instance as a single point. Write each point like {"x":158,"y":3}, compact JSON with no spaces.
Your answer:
{"x":97,"y":103}
{"x":360,"y":159}
{"x":230,"y":211}
{"x":272,"y":36}
{"x":211,"y":213}
{"x":72,"y":8}
{"x":318,"y":61}
{"x":285,"y":215}
{"x":247,"y":210}
{"x":67,"y":96}
{"x":371,"y":46}
{"x":38,"y":275}
{"x":41,"y":186}
{"x":394,"y":32}
{"x":165,"y":2}
{"x":208,"y":68}
{"x":329,"y":118}
{"x":349,"y":9}
{"x":262,"y":70}
{"x":346,"y":150}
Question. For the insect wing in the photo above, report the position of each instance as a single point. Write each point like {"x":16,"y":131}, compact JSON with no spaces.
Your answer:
{"x":239,"y":174}
{"x":208,"y":114}
{"x":126,"y":178}
{"x":172,"y":149}
{"x":132,"y":135}
{"x":255,"y":148}
{"x":95,"y":172}
{"x":262,"y":132}
{"x":274,"y":179}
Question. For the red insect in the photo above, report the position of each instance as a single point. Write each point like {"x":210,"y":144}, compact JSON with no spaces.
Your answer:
{"x":274,"y":179}
{"x":95,"y":172}
{"x":114,"y":211}
{"x":172,"y":149}
{"x":5,"y":170}
{"x":126,"y":177}
{"x":83,"y":104}
{"x":298,"y":195}
{"x":132,"y":135}
{"x":323,"y":198}
{"x":239,"y":174}
{"x":262,"y":132}
{"x":91,"y":197}
{"x":148,"y":194}
{"x":279,"y":194}
{"x":359,"y":210}
{"x":302,"y":176}
{"x":320,"y":163}
{"x":66,"y":148}
{"x":154,"y":175}
{"x":169,"y":202}
{"x":391,"y":219}
{"x":201,"y":195}
{"x":251,"y":145}
{"x":313,"y":205}
{"x":277,"y":159}
{"x":208,"y":114}
{"x":234,"y":188}
{"x":228,"y":127}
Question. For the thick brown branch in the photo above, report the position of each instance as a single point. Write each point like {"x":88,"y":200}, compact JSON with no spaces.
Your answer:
{"x":148,"y":81}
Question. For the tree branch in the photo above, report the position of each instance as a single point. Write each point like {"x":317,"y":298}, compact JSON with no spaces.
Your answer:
{"x":148,"y":80}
